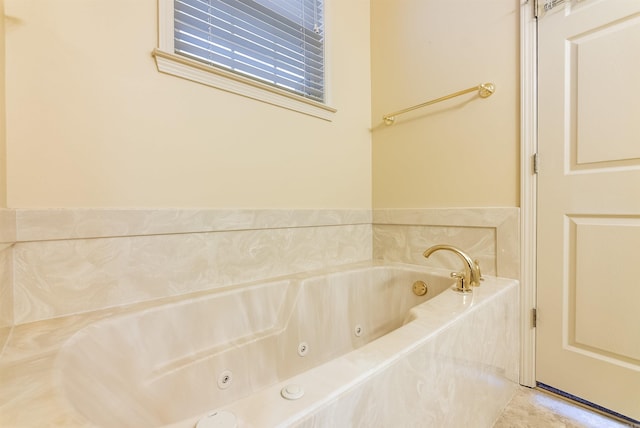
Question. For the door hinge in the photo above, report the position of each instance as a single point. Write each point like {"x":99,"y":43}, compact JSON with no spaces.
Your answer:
{"x":534,"y":318}
{"x":536,"y":163}
{"x":535,"y":9}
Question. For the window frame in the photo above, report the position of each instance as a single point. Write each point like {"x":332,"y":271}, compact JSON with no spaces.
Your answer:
{"x":171,"y":63}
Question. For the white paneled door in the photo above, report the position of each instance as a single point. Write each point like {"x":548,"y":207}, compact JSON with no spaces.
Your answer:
{"x":588,"y":292}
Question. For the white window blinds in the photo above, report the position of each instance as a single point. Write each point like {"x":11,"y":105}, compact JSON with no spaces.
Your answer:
{"x":280,"y":42}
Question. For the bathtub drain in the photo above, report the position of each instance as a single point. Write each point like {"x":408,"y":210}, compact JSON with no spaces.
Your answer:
{"x":292,"y":392}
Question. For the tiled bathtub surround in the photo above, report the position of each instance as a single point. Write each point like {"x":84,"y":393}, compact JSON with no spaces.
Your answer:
{"x":72,"y":261}
{"x":67,"y":261}
{"x":63,"y":269}
{"x":491,"y":235}
{"x":6,"y":292}
{"x":7,"y":239}
{"x":52,"y":224}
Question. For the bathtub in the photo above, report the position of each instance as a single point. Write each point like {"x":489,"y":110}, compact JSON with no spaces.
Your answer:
{"x":351,"y":347}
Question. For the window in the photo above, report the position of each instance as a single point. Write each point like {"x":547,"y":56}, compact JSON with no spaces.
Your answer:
{"x":265,"y":49}
{"x":276,"y":41}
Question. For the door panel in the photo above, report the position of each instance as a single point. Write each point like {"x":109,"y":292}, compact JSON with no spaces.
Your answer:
{"x":588,"y":291}
{"x":605,"y":62}
{"x":604,"y":249}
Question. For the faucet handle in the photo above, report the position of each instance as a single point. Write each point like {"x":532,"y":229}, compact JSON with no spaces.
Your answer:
{"x":460,"y":283}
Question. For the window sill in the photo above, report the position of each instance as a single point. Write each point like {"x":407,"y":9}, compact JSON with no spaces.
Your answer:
{"x":201,"y":73}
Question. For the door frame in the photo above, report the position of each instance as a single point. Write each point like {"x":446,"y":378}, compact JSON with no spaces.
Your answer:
{"x":528,"y":189}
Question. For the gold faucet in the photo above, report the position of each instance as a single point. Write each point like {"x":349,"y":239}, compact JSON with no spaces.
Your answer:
{"x":471,"y":275}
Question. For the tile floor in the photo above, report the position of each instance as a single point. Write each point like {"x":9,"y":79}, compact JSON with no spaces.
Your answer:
{"x":531,"y":408}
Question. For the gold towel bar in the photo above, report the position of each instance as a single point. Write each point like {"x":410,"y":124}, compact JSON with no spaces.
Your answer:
{"x":484,"y":90}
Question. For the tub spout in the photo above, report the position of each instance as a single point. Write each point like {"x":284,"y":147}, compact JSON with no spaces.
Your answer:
{"x":468,"y":278}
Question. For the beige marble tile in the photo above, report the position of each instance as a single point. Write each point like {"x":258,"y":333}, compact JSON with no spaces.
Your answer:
{"x":406,"y":243}
{"x":489,"y":234}
{"x":532,"y":408}
{"x":75,"y":260}
{"x":7,"y":239}
{"x":62,"y":277}
{"x":48,"y":224}
{"x":61,"y":267}
{"x":6,"y":293}
{"x":7,"y":225}
{"x":479,"y":217}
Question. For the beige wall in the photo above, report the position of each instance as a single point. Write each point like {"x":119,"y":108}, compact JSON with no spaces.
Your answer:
{"x":3,"y":145}
{"x":92,"y":123}
{"x":460,"y":153}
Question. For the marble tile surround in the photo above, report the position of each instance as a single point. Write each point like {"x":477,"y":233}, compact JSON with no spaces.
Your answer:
{"x":72,"y":261}
{"x":66,"y":268}
{"x":67,"y":261}
{"x":7,"y":239}
{"x":6,"y":292}
{"x":58,"y":224}
{"x":491,"y":235}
